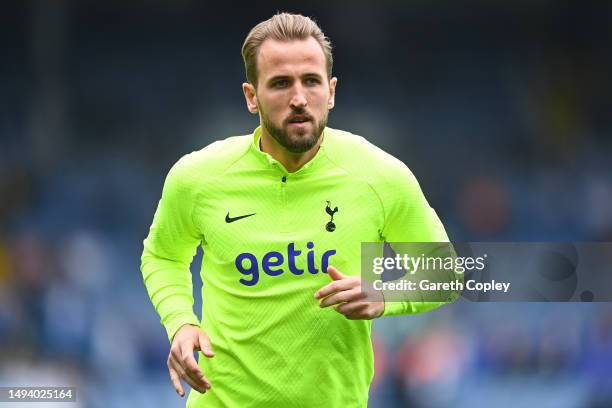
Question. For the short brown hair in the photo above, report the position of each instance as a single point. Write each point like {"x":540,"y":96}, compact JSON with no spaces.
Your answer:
{"x":282,"y":27}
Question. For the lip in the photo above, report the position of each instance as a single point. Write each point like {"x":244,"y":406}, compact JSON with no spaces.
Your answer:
{"x":299,"y":123}
{"x":304,"y":118}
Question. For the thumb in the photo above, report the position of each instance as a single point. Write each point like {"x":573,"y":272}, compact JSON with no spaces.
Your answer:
{"x":205,"y":345}
{"x":334,"y":273}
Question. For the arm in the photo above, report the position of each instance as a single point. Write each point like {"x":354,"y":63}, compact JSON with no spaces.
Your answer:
{"x":408,"y":218}
{"x":168,"y":251}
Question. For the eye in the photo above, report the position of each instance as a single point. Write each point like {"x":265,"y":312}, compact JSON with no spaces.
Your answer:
{"x":312,"y":81}
{"x":281,"y":83}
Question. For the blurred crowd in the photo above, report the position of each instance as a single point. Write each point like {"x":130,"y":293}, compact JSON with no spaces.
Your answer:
{"x":501,"y":110}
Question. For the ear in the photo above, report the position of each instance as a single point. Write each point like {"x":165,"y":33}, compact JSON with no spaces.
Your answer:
{"x":331,"y":102}
{"x":250,"y":96}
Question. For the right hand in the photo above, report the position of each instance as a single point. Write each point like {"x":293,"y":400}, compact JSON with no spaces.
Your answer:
{"x":182,"y":364}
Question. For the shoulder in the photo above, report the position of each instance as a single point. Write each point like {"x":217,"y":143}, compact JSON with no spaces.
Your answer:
{"x":361,"y":158}
{"x":211,"y":161}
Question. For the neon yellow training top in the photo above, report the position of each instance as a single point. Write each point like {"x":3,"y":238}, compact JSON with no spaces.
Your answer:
{"x":268,"y":236}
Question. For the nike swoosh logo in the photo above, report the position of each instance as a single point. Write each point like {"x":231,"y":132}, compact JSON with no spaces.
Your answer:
{"x":229,"y":219}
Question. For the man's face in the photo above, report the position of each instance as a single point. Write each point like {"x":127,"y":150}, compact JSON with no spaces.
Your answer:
{"x":293,"y":94}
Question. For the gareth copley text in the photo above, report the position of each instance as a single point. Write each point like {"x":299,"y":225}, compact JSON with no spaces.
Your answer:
{"x":427,"y":285}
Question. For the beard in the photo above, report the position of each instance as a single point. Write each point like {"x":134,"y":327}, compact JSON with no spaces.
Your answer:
{"x":301,"y":140}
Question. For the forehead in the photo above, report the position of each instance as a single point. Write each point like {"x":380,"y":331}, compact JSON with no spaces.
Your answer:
{"x":287,"y":57}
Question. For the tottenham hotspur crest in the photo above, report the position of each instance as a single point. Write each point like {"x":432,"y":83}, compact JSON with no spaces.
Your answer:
{"x":330,"y":226}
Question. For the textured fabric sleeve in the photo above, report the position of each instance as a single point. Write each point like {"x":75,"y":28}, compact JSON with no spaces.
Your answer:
{"x":169,"y":250}
{"x":408,"y":218}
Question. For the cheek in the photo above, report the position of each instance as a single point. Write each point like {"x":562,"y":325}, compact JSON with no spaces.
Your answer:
{"x":319,"y":100}
{"x":273,"y":106}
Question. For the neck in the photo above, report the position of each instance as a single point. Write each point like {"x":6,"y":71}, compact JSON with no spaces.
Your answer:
{"x":291,"y":161}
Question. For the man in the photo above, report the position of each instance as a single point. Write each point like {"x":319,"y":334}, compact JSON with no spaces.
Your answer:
{"x":280,"y":215}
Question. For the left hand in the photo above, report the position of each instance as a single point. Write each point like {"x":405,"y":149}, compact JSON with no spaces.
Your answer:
{"x":345,"y":294}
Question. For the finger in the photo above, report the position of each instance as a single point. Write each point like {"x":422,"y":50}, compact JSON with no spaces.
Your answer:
{"x":351,"y":310}
{"x":192,"y":370}
{"x":341,"y":297}
{"x":187,"y":360}
{"x":176,"y":382}
{"x":185,"y":364}
{"x":335,"y":286}
{"x":335,"y":274}
{"x":175,"y":352}
{"x":200,"y":387}
{"x":205,"y":345}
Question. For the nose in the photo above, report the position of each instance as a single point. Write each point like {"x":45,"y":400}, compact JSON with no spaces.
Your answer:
{"x":298,"y":100}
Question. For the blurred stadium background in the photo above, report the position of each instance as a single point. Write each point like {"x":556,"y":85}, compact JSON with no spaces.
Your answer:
{"x":502,"y":110}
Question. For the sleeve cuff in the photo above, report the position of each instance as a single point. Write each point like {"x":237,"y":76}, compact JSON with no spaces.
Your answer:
{"x":179,"y":321}
{"x":395,"y":308}
{"x":400,"y":308}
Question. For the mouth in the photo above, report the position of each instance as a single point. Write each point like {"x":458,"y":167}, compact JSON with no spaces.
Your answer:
{"x":298,"y":119}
